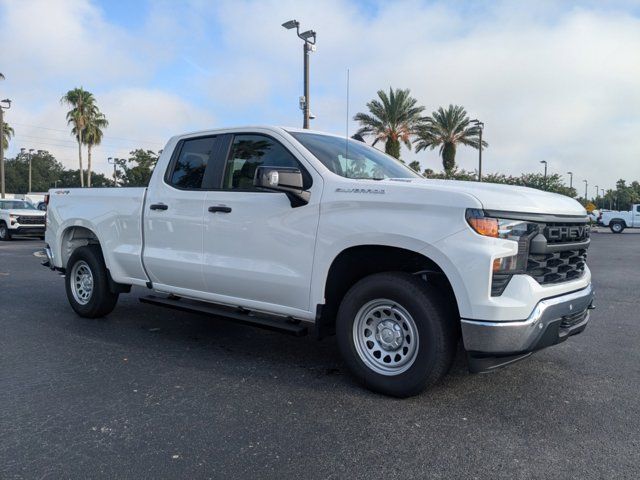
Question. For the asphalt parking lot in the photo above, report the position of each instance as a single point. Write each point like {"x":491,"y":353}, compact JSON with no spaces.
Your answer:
{"x":153,"y":393}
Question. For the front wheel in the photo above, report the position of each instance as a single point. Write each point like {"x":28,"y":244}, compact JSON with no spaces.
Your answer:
{"x":5,"y":233}
{"x":87,"y":283}
{"x":617,"y":227}
{"x":394,"y":334}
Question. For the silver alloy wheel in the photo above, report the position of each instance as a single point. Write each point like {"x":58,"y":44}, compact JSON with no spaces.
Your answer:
{"x":3,"y":231}
{"x":81,"y":282}
{"x":386,"y":337}
{"x":617,"y":227}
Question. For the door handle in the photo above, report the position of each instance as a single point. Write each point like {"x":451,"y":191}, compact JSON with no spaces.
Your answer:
{"x":159,"y":206}
{"x":220,"y":208}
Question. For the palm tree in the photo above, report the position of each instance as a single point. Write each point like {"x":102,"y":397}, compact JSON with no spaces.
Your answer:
{"x":392,"y":119}
{"x":92,"y":135}
{"x":446,"y":129}
{"x":83,"y":103}
{"x":7,"y":133}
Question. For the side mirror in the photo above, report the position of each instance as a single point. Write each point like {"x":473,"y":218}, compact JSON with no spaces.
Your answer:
{"x":283,"y":179}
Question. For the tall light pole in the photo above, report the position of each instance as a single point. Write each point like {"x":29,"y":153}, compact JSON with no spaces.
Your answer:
{"x":480,"y":126}
{"x":570,"y":179}
{"x":586,"y":184}
{"x":545,"y":173}
{"x":309,"y":38}
{"x":4,"y":105}
{"x":114,"y":162}
{"x":29,"y":156}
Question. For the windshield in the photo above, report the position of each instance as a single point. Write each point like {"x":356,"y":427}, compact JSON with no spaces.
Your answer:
{"x":353,"y":159}
{"x":15,"y":205}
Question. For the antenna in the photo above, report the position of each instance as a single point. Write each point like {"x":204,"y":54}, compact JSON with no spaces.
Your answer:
{"x":346,"y":155}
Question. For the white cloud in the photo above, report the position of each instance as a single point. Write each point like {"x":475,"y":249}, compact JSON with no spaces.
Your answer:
{"x":551,"y":80}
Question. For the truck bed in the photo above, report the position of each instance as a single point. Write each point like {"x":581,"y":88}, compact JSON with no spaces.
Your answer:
{"x":114,"y":214}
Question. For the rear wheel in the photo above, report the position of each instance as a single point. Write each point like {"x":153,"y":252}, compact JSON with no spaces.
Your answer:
{"x":617,"y":227}
{"x":394,"y":334}
{"x":5,"y":233}
{"x":87,"y":283}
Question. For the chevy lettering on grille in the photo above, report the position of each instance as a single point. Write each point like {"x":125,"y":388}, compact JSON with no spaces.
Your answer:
{"x":567,"y":233}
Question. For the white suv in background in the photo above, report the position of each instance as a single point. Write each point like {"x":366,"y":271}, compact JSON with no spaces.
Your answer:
{"x":19,"y":217}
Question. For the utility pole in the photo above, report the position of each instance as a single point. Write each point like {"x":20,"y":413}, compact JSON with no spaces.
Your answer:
{"x":570,"y":179}
{"x":545,"y":173}
{"x":480,"y":126}
{"x":307,"y":47}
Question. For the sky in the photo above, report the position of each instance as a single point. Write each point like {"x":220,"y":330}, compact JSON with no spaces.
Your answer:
{"x":555,"y":81}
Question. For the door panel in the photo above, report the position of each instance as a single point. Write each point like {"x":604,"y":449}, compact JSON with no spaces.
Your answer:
{"x":258,"y":247}
{"x":174,"y":214}
{"x":262,"y":249}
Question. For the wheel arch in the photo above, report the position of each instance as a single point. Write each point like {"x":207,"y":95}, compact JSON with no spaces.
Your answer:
{"x":74,"y":237}
{"x":619,"y":220}
{"x":356,"y":262}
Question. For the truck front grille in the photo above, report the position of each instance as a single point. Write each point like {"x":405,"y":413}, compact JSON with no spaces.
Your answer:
{"x":30,"y":220}
{"x":557,"y":267}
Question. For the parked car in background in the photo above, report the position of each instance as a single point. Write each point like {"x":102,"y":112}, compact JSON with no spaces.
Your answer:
{"x":617,"y":221}
{"x":20,"y":217}
{"x":285,"y":228}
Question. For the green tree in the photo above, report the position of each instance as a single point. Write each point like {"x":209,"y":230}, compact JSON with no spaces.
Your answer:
{"x":415,"y":165}
{"x":92,"y":135}
{"x":392,"y":119}
{"x":137,"y":169}
{"x":447,"y":129}
{"x":72,"y":179}
{"x":83,"y":105}
{"x":7,"y":133}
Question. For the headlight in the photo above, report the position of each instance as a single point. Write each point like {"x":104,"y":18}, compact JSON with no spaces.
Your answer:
{"x":505,"y":228}
{"x":518,"y":231}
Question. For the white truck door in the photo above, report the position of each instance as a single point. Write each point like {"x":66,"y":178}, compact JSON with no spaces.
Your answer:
{"x":173,"y":216}
{"x":635,"y":215}
{"x":257,"y":247}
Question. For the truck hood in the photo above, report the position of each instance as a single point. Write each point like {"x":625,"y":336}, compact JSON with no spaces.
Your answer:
{"x":25,"y":212}
{"x":510,"y":198}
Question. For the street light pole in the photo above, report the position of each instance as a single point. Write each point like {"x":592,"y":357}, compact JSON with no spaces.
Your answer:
{"x":545,"y":173}
{"x":307,"y":47}
{"x":586,"y":184}
{"x":480,"y":126}
{"x":31,"y":150}
{"x":2,"y":108}
{"x":570,"y":179}
{"x":113,"y":161}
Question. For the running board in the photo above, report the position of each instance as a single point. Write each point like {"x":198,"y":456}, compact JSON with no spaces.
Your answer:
{"x":278,"y":324}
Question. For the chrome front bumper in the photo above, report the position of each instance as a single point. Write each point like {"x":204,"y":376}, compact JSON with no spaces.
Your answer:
{"x":552,"y":321}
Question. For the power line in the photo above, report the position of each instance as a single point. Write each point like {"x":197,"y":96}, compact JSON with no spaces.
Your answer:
{"x":106,"y":136}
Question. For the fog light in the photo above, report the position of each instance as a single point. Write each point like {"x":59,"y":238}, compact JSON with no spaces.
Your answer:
{"x":505,"y":264}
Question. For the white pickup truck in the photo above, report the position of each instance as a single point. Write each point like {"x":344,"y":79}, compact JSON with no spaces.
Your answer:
{"x":285,"y":228}
{"x":618,"y":221}
{"x":19,"y":217}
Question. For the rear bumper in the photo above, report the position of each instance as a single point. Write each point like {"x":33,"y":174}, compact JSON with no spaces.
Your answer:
{"x":553,"y":320}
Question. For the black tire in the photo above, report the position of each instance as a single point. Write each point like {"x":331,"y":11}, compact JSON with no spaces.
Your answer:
{"x":436,"y":332}
{"x":101,"y":301}
{"x":617,"y":227}
{"x":5,"y":233}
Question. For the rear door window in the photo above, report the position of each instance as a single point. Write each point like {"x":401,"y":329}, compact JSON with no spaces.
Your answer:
{"x":187,"y":171}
